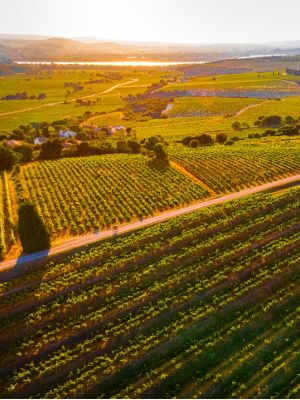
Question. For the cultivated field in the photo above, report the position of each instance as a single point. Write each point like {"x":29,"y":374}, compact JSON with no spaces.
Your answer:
{"x":204,"y":305}
{"x":52,"y":83}
{"x":78,"y":195}
{"x":206,"y":106}
{"x":233,"y":168}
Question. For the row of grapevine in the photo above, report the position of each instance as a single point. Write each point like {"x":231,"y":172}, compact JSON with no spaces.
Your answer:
{"x":7,"y":223}
{"x":229,"y":169}
{"x":77,"y":195}
{"x":2,"y":227}
{"x":194,"y":306}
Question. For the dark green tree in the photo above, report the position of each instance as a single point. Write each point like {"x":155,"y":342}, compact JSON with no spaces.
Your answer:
{"x":134,"y":146}
{"x":25,"y":152}
{"x":194,"y":143}
{"x":205,"y":139}
{"x":83,"y":149}
{"x":31,"y":229}
{"x":236,"y":125}
{"x":161,"y":155}
{"x":8,"y":158}
{"x":152,"y":141}
{"x":221,"y":137}
{"x":51,"y":149}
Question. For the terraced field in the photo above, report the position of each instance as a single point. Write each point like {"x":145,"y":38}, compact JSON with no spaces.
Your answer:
{"x":232,"y":168}
{"x":204,"y":305}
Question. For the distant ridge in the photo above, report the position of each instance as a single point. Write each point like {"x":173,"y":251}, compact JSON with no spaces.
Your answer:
{"x":44,"y":48}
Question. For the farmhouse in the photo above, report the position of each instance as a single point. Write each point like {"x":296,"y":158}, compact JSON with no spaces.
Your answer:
{"x":40,"y":140}
{"x":66,"y":134}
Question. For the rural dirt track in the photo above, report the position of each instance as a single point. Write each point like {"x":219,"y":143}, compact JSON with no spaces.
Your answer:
{"x":95,"y":237}
{"x":74,"y":99}
{"x":242,"y":110}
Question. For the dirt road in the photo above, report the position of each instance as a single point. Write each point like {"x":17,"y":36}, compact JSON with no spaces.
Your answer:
{"x":242,"y":110}
{"x":95,"y":237}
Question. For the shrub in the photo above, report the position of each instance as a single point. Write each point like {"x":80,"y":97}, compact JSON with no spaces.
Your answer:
{"x":205,"y":139}
{"x":194,"y":143}
{"x":289,"y":120}
{"x":236,"y":126}
{"x":221,"y":137}
{"x":270,"y":132}
{"x":273,"y":120}
{"x":186,"y":141}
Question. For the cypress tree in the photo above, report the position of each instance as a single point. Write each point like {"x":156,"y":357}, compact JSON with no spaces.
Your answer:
{"x":32,"y":230}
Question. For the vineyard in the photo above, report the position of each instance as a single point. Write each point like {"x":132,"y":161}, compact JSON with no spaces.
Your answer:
{"x":244,"y":81}
{"x":7,"y":225}
{"x":80,"y":194}
{"x":206,"y":106}
{"x":204,"y":305}
{"x":233,"y":168}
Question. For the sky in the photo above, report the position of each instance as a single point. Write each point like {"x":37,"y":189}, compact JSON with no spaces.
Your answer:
{"x":170,"y":21}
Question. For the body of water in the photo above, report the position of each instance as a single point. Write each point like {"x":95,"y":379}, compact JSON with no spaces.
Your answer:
{"x":115,"y":63}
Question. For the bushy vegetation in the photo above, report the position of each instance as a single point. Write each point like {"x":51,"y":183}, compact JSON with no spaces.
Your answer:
{"x":205,"y":139}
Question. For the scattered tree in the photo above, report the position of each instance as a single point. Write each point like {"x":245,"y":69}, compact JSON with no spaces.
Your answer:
{"x":134,"y":146}
{"x":160,"y":153}
{"x":205,"y":139}
{"x":221,"y":137}
{"x":194,"y":143}
{"x":236,"y":126}
{"x":51,"y":149}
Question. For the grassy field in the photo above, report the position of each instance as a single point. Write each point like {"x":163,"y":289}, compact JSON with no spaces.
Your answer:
{"x":52,"y":84}
{"x":190,"y":115}
{"x":205,"y":305}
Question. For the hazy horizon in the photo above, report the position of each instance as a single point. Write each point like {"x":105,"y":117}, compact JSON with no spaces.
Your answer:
{"x":167,"y":22}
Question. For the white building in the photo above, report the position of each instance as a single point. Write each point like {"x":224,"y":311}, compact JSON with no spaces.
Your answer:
{"x":66,"y":134}
{"x":40,"y":140}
